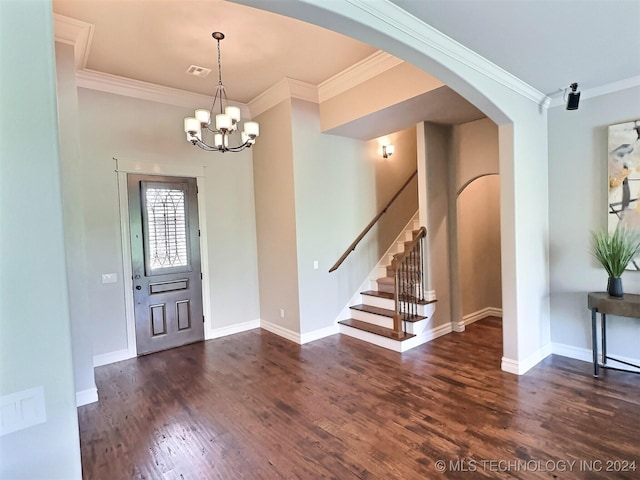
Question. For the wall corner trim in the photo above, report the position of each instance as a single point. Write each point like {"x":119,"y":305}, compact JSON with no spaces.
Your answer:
{"x":285,"y":89}
{"x":85,"y":397}
{"x":375,"y":64}
{"x":112,"y":357}
{"x":520,"y":367}
{"x":318,"y":334}
{"x":281,"y":331}
{"x":74,"y":32}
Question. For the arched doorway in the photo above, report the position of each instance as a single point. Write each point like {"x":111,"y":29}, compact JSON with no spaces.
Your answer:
{"x":522,"y":124}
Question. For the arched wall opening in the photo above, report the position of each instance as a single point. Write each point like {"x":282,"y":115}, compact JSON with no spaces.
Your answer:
{"x":478,"y":237}
{"x":522,"y":126}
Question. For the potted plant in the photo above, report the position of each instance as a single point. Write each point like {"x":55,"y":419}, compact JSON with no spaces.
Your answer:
{"x":614,"y":251}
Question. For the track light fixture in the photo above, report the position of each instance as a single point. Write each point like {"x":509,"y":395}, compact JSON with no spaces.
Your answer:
{"x":573,"y":98}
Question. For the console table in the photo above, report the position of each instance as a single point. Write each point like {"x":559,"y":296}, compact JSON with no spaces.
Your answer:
{"x":600,"y":302}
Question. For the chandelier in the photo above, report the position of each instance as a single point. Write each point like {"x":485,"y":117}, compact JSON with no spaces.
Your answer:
{"x":226,"y":120}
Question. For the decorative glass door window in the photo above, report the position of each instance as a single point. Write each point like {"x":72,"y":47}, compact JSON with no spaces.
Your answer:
{"x":166,"y":227}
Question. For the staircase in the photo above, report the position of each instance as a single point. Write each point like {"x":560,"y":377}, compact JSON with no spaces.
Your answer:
{"x":373,"y":311}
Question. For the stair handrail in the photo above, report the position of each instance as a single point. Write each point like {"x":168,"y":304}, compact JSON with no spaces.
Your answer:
{"x":355,"y":243}
{"x":414,"y":253}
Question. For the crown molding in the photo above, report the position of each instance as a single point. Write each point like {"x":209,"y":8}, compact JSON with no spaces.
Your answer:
{"x":283,"y":90}
{"x":375,"y":64}
{"x":105,"y":82}
{"x":405,"y":24}
{"x":612,"y":87}
{"x":76,"y":33}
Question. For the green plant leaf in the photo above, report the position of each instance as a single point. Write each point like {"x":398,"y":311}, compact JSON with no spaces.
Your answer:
{"x":615,"y":250}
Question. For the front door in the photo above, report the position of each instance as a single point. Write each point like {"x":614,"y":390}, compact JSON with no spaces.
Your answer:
{"x":165,"y":258}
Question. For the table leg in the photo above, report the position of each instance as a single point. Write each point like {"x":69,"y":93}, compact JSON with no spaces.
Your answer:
{"x":604,"y":339}
{"x":594,"y":342}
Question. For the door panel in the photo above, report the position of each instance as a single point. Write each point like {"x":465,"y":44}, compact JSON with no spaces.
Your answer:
{"x":165,"y":259}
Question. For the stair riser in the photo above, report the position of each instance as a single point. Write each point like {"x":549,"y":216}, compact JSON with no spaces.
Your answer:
{"x":383,"y":286}
{"x":387,"y":303}
{"x":416,"y":328}
{"x":372,"y":318}
{"x":423,"y":310}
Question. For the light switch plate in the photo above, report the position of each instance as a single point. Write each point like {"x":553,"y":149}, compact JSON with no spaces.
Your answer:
{"x":109,"y":277}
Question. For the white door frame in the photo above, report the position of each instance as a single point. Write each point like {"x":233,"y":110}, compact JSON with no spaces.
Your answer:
{"x":125,"y":166}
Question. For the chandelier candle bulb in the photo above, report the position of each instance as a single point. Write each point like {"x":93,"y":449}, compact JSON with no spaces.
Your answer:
{"x":223,"y":122}
{"x":233,"y":112}
{"x":203,"y":116}
{"x":252,"y":129}
{"x":191,"y":124}
{"x":217,"y":140}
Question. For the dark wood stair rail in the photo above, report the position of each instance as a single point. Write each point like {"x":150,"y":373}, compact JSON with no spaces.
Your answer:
{"x":408,"y":273}
{"x":355,"y":243}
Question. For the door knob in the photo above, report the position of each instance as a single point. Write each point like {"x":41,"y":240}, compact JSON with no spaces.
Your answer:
{"x":138,"y":287}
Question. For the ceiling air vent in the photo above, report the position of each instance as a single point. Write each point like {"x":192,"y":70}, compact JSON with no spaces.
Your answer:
{"x":198,"y":71}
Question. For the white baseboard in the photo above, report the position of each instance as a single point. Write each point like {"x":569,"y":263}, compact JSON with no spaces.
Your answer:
{"x":280,"y":331}
{"x":479,"y":315}
{"x":586,"y":355}
{"x":318,"y":334}
{"x":85,"y":397}
{"x":111,"y":357}
{"x":520,"y":367}
{"x":296,"y":337}
{"x":230,"y":330}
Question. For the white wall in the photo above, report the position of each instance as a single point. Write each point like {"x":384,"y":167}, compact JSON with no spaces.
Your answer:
{"x":72,"y":172}
{"x":35,"y":339}
{"x":578,"y":190}
{"x":114,"y":126}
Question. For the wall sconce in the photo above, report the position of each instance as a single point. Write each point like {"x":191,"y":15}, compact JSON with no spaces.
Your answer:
{"x":387,"y":151}
{"x":573,"y":98}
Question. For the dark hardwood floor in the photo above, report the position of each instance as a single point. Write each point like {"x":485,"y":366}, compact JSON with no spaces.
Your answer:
{"x":256,"y":406}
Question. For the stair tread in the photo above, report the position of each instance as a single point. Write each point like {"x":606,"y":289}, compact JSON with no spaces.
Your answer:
{"x":376,"y":293}
{"x":384,"y":312}
{"x":375,"y":329}
{"x":389,"y":296}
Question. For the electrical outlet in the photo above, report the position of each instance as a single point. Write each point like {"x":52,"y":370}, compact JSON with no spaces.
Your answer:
{"x":315,"y":264}
{"x":282,"y":313}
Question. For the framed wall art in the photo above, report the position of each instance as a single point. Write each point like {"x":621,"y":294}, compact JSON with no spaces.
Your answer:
{"x":624,"y":178}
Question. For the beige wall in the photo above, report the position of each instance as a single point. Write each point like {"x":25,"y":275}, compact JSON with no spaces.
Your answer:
{"x":314,"y":194}
{"x":438,"y":163}
{"x":395,"y":85}
{"x":477,"y":151}
{"x":276,"y":218}
{"x":340,"y":186}
{"x":477,"y":217}
{"x":479,"y":245}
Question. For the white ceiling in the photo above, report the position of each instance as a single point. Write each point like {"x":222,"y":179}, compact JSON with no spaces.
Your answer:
{"x":546,"y":43}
